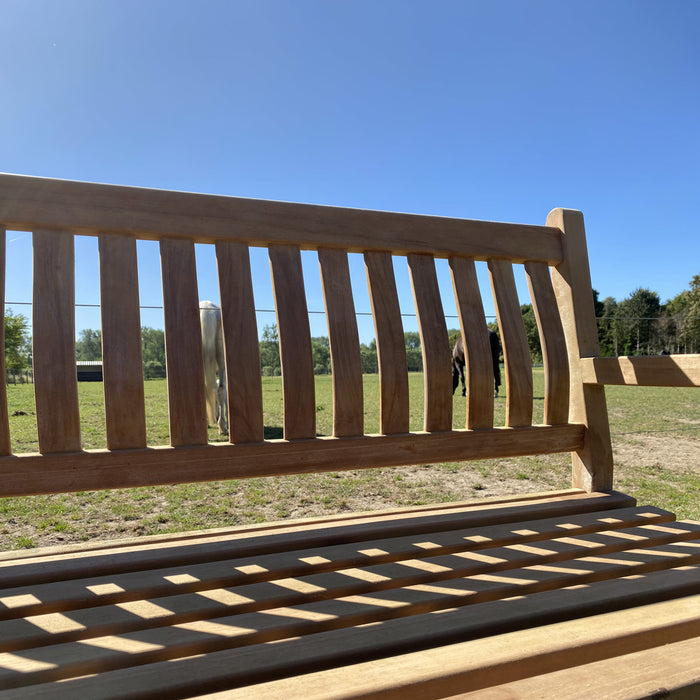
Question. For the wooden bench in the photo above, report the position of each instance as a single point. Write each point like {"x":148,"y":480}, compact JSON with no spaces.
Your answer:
{"x":577,"y":593}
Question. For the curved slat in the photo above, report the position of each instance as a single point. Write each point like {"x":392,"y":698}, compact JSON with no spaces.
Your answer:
{"x":516,"y":351}
{"x":554,"y":355}
{"x":435,"y":344}
{"x":183,"y":344}
{"x":121,"y":343}
{"x":391,"y":348}
{"x":53,"y":326}
{"x":240,"y":343}
{"x":5,"y":445}
{"x":296,"y":355}
{"x":477,"y":349}
{"x":348,"y":406}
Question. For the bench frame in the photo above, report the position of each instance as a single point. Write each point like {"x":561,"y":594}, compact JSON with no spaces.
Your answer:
{"x":555,"y":259}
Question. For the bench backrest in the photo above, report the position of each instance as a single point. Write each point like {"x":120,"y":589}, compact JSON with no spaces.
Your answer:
{"x":554,"y":257}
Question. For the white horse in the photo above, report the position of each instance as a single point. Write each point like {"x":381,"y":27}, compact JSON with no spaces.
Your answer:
{"x":214,"y":366}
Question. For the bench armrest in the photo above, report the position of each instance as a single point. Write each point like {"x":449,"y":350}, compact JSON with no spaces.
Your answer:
{"x":655,"y":370}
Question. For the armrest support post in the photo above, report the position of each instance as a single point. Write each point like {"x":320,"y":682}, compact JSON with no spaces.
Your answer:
{"x":592,"y":466}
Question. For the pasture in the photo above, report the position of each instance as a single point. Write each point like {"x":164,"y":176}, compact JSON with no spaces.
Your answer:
{"x":655,"y":433}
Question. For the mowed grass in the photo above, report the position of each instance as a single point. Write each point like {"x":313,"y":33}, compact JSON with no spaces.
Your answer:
{"x":656,"y":438}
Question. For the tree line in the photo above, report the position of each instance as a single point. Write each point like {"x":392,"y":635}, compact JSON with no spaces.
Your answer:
{"x":638,"y":325}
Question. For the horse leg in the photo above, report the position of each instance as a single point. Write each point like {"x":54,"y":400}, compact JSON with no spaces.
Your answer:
{"x":222,"y":410}
{"x":221,"y":392}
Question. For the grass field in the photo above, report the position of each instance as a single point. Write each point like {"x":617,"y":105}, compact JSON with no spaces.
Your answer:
{"x":656,"y":440}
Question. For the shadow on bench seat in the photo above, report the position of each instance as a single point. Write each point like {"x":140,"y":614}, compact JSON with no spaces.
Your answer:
{"x":350,"y":591}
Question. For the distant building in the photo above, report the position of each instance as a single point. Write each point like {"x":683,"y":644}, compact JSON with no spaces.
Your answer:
{"x":89,"y":370}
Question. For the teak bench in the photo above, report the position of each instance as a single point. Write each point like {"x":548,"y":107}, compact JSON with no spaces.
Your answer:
{"x":577,"y":593}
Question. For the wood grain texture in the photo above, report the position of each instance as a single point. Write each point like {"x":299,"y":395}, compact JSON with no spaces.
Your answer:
{"x":656,"y":370}
{"x":60,"y":584}
{"x":345,"y":601}
{"x":435,"y":344}
{"x":592,"y":467}
{"x":516,"y":351}
{"x":28,"y":202}
{"x":553,"y":343}
{"x":183,"y":344}
{"x":346,"y":362}
{"x":477,"y":349}
{"x":53,"y":331}
{"x":183,"y":604}
{"x":296,"y":355}
{"x":210,"y":606}
{"x":99,"y":469}
{"x":670,"y":670}
{"x":5,"y":445}
{"x":470,"y":669}
{"x":121,"y":343}
{"x":245,"y":403}
{"x":391,"y":347}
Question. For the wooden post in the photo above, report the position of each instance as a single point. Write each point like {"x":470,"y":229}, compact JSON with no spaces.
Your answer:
{"x":592,"y":466}
{"x":5,"y":445}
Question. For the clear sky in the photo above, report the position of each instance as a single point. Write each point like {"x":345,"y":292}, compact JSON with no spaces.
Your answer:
{"x":490,"y":110}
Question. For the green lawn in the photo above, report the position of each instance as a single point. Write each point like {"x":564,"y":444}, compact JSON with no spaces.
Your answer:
{"x":656,"y":438}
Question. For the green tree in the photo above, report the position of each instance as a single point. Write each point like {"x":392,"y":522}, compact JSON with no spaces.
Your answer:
{"x":684,"y":312}
{"x":16,"y":340}
{"x":270,"y":351}
{"x":414,"y":354}
{"x":368,"y":355}
{"x":634,"y":325}
{"x":322,"y":355}
{"x":533,"y":336}
{"x":607,"y":336}
{"x":89,"y":345}
{"x":153,"y":351}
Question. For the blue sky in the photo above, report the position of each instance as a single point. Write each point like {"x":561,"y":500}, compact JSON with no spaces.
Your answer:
{"x":500,"y":110}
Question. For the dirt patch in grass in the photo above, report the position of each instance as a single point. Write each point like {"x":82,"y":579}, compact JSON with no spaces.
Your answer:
{"x":673,"y":453}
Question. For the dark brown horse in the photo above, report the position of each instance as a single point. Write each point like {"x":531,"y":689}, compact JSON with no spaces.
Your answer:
{"x":458,"y":363}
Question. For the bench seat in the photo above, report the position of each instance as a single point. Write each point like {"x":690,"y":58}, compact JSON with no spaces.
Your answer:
{"x":284,"y":604}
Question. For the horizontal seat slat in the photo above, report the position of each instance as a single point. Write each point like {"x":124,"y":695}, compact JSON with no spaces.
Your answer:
{"x":265,"y":661}
{"x":616,"y":646}
{"x":280,"y":590}
{"x":157,"y":582}
{"x":369,"y":529}
{"x":658,"y":672}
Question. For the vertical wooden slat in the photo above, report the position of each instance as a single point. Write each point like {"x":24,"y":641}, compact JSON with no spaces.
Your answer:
{"x":592,"y":467}
{"x":554,"y":355}
{"x":5,"y":444}
{"x":516,"y":351}
{"x":244,"y":388}
{"x":296,"y":355}
{"x":121,"y":343}
{"x":477,"y":349}
{"x":391,"y":347}
{"x":53,"y":328}
{"x":435,"y":344}
{"x":346,"y":362}
{"x":183,"y":344}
